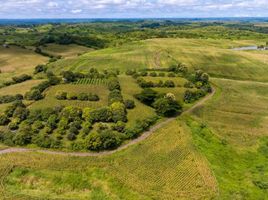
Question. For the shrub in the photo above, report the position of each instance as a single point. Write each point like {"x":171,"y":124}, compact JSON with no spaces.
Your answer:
{"x":71,"y":96}
{"x":60,"y":95}
{"x":4,"y":120}
{"x":21,"y":78}
{"x":119,"y":126}
{"x":119,"y":113}
{"x":33,"y":95}
{"x":130,"y":104}
{"x":21,"y":113}
{"x":101,"y":115}
{"x":113,"y":84}
{"x":10,"y":98}
{"x":104,"y":140}
{"x":167,"y":107}
{"x":169,"y":83}
{"x":171,"y":74}
{"x":68,"y":76}
{"x":153,"y":74}
{"x":115,"y":96}
{"x":39,"y":68}
{"x":162,"y":74}
{"x":71,"y":113}
{"x":147,"y":96}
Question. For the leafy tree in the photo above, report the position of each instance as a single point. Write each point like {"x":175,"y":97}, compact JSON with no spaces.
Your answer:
{"x":113,"y":84}
{"x":34,"y":95}
{"x":167,"y":106}
{"x":119,"y":113}
{"x":21,"y":113}
{"x":147,"y":96}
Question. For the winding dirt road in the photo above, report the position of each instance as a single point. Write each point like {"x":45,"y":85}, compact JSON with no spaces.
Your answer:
{"x":103,"y":153}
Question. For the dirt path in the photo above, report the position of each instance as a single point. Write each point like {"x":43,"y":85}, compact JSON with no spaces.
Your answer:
{"x":135,"y":141}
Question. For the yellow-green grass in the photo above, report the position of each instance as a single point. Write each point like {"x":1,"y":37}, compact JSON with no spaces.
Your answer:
{"x":231,"y":131}
{"x":16,"y":60}
{"x":165,"y":166}
{"x":51,"y":101}
{"x":129,"y":89}
{"x":179,"y":81}
{"x":66,"y":51}
{"x":239,"y":113}
{"x":20,"y":88}
{"x":213,"y":56}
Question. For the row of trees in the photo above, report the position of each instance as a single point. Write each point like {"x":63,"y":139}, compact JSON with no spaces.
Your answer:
{"x":149,"y":84}
{"x":17,"y":79}
{"x":61,"y":95}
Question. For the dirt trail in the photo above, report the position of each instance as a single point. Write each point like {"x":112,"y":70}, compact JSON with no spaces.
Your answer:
{"x":135,"y":141}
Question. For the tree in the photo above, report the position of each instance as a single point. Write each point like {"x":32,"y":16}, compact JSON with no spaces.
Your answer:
{"x":34,"y":94}
{"x":87,"y":114}
{"x":119,"y":113}
{"x":167,"y":106}
{"x":21,"y":113}
{"x":113,"y":84}
{"x":68,"y":76}
{"x":147,"y":96}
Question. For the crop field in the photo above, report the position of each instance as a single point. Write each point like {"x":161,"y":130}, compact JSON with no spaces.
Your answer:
{"x":66,"y":51}
{"x":20,"y":88}
{"x":213,"y":56}
{"x":15,"y":61}
{"x":141,"y":111}
{"x":131,"y":174}
{"x":91,"y":81}
{"x":51,"y":101}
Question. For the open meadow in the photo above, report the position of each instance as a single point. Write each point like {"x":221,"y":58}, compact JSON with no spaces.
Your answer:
{"x":16,"y":60}
{"x":213,"y":56}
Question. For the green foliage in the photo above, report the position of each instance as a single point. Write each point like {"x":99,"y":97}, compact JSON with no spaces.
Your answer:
{"x":34,"y":95}
{"x":167,"y":107}
{"x":147,"y":96}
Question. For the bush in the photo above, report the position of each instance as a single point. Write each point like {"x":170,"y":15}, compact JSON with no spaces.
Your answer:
{"x":68,"y":76}
{"x":21,"y":78}
{"x":105,"y":140}
{"x":21,"y":113}
{"x":10,"y":98}
{"x":147,"y":96}
{"x":119,"y":113}
{"x":169,"y":83}
{"x":60,"y":95}
{"x":115,"y":96}
{"x":4,"y":120}
{"x":33,"y":95}
{"x":101,"y":115}
{"x":167,"y":107}
{"x":113,"y":84}
{"x":130,"y":104}
{"x":71,"y":96}
{"x":39,"y":68}
{"x":119,"y":126}
{"x":171,"y":74}
{"x":162,"y":74}
{"x":153,"y":74}
{"x":191,"y":96}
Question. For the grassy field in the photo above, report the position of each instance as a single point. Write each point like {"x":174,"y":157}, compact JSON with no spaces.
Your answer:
{"x":20,"y":88}
{"x":131,"y":174}
{"x":15,"y":60}
{"x":51,"y":101}
{"x":66,"y":51}
{"x":231,"y":131}
{"x":213,"y":56}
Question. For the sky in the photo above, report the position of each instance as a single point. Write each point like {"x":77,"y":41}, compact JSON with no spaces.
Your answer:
{"x":132,"y":8}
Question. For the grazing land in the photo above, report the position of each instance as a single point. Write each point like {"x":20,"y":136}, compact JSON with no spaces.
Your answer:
{"x":16,"y":60}
{"x":66,"y":51}
{"x":20,"y":88}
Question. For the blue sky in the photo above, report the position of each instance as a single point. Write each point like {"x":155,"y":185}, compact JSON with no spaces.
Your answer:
{"x":132,"y":8}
